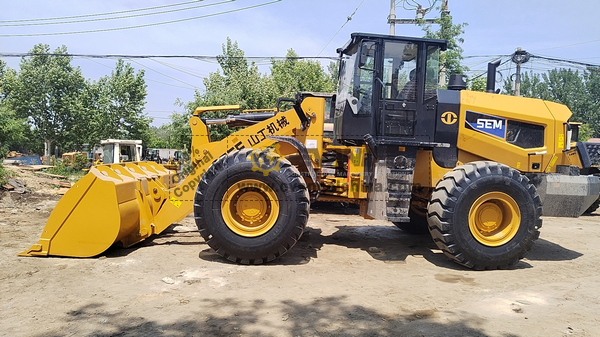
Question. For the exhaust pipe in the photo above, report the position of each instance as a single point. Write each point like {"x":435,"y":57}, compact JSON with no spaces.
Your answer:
{"x":491,"y":76}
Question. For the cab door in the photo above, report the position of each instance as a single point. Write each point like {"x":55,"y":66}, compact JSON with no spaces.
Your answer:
{"x":398,"y":106}
{"x":407,"y":104}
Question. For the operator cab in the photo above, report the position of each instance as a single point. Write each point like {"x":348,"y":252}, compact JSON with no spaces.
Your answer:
{"x":387,"y":89}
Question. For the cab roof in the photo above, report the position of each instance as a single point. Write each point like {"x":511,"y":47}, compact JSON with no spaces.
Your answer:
{"x":357,"y":37}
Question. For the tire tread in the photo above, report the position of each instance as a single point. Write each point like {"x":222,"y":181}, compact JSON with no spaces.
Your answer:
{"x":441,"y":210}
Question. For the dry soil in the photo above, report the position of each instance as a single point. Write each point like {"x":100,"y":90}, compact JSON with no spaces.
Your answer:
{"x":347,"y":277}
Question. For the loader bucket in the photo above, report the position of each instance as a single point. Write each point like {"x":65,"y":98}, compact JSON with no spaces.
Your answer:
{"x":111,"y":204}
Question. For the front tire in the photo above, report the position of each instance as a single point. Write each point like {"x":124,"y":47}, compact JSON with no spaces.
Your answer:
{"x":484,"y":215}
{"x":247,"y":214}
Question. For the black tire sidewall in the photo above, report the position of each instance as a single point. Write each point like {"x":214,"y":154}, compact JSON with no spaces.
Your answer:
{"x":510,"y":250}
{"x":249,"y":247}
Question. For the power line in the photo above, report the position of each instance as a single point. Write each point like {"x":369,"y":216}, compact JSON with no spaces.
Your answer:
{"x":584,"y":64}
{"x":157,"y":116}
{"x":178,"y":69}
{"x":171,"y":85}
{"x":103,"y":14}
{"x":165,"y":75}
{"x":348,"y":19}
{"x":413,"y":5}
{"x":145,"y":79}
{"x":196,"y":57}
{"x":570,"y":45}
{"x":145,"y":25}
{"x":114,"y":18}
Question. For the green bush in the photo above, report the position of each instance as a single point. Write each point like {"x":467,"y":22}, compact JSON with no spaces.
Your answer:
{"x":79,"y":162}
{"x":3,"y":151}
{"x":4,"y":175}
{"x":60,"y":169}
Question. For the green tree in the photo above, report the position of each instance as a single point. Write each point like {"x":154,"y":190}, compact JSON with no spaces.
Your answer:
{"x":180,"y":132}
{"x":579,"y":92}
{"x":450,"y":60}
{"x":292,"y":75}
{"x":46,"y":93}
{"x":239,"y":83}
{"x":115,"y":106}
{"x":334,"y":73}
{"x":160,"y":137}
{"x":478,"y":84}
{"x":11,"y":128}
{"x":591,"y":114}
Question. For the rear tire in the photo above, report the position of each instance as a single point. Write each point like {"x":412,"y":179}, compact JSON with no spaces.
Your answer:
{"x":249,"y":217}
{"x":416,"y":226}
{"x":485,"y":215}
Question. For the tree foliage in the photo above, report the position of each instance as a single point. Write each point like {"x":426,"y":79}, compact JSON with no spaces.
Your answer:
{"x":115,"y":106}
{"x":240,"y":82}
{"x":578,"y":91}
{"x":160,"y":137}
{"x":478,"y":84}
{"x":292,"y":75}
{"x":181,"y":135}
{"x":450,"y":61}
{"x":12,"y":128}
{"x":49,"y":103}
{"x":46,"y":92}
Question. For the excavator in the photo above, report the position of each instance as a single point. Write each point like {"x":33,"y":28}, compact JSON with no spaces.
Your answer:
{"x":476,"y":170}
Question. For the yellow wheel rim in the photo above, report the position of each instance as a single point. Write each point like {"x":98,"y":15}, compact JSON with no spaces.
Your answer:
{"x":250,"y":208}
{"x":494,"y":219}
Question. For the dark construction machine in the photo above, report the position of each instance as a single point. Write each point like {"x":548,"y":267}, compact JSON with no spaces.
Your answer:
{"x":472,"y":168}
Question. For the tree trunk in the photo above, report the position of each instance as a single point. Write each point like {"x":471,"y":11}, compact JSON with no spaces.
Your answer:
{"x":47,"y":151}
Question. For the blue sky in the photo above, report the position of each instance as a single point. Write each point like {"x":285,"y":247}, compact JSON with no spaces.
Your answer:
{"x":560,"y":29}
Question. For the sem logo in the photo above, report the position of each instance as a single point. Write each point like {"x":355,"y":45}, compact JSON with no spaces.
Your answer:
{"x":449,"y":118}
{"x":492,"y":125}
{"x":489,"y":124}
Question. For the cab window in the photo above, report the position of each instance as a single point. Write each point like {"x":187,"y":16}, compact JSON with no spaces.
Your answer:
{"x":364,"y":76}
{"x":399,"y":71}
{"x":432,"y":72}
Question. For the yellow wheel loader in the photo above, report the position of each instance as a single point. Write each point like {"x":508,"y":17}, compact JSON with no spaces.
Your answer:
{"x":474,"y":169}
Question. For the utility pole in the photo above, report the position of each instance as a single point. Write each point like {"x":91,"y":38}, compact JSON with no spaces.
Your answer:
{"x":518,"y":77}
{"x":392,"y":18}
{"x":444,"y":12}
{"x":519,"y":57}
{"x":393,"y":21}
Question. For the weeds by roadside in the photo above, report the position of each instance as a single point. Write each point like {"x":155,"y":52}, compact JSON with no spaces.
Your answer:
{"x":4,"y":175}
{"x":73,"y":171}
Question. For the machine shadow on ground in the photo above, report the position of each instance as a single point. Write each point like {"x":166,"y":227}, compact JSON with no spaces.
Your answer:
{"x":331,"y":316}
{"x":384,"y":243}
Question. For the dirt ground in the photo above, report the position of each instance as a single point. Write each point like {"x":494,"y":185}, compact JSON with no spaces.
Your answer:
{"x":348,"y":277}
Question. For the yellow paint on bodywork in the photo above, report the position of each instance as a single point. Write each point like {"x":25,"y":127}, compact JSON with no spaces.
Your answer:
{"x":204,"y":109}
{"x":551,"y":164}
{"x":128,"y":202}
{"x":520,"y":109}
{"x":428,"y":172}
{"x":356,"y":169}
